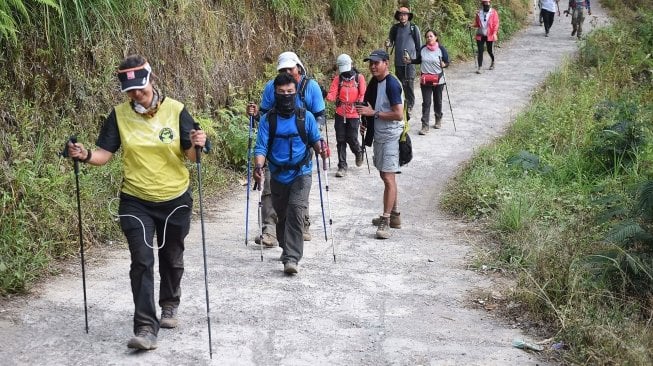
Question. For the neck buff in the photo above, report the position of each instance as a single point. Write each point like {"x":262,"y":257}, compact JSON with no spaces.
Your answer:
{"x":285,"y":104}
{"x":151,"y":110}
{"x":433,"y":47}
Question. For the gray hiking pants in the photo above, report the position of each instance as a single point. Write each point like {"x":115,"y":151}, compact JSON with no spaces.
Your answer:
{"x":269,"y":219}
{"x":291,"y":202}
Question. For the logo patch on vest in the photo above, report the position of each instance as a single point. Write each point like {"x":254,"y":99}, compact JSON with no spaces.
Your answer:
{"x":166,"y":135}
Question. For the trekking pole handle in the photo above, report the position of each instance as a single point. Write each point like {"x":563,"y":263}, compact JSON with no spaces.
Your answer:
{"x":198,"y":149}
{"x":327,"y":152}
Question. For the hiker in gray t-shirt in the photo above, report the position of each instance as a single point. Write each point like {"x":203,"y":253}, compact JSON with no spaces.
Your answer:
{"x":405,"y":37}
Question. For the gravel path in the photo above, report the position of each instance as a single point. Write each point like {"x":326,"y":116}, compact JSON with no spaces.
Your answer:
{"x":402,"y":301}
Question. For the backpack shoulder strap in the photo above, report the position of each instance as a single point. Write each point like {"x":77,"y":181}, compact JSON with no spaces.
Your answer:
{"x":415,"y":34}
{"x":272,"y":128}
{"x":302,"y":89}
{"x":393,"y":32}
{"x":300,"y":120}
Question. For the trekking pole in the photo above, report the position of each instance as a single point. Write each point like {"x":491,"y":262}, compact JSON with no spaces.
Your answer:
{"x":73,"y":139}
{"x":326,"y":186}
{"x":249,"y":175}
{"x":326,"y":132}
{"x":471,"y":40}
{"x":257,"y":186}
{"x":446,"y":87}
{"x":198,"y":160}
{"x":406,"y":55}
{"x":363,"y":145}
{"x":319,"y":182}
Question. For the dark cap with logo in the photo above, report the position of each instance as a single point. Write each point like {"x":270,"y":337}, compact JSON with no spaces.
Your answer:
{"x":377,"y":55}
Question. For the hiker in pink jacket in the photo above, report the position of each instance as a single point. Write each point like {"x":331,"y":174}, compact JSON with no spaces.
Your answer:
{"x":487,"y":29}
{"x":347,"y":88}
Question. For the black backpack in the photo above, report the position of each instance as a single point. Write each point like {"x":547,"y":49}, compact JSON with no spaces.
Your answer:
{"x":300,"y":119}
{"x":413,"y":32}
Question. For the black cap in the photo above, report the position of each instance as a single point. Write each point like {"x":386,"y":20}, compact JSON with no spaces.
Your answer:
{"x":377,"y":55}
{"x":134,"y":78}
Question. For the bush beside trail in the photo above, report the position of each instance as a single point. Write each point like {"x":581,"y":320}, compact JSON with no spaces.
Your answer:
{"x":568,"y":193}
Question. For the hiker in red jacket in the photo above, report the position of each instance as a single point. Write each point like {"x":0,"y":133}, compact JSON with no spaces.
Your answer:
{"x":347,"y":88}
{"x":487,"y":29}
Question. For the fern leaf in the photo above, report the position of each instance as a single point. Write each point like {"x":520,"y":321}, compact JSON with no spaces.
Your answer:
{"x":645,"y":200}
{"x":624,"y":231}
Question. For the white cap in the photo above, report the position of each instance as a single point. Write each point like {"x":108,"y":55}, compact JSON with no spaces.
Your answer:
{"x":344,"y":63}
{"x":287,"y":60}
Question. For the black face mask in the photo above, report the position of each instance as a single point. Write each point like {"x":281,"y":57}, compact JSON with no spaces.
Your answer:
{"x":486,"y":8}
{"x":347,"y":74}
{"x":285,"y":103}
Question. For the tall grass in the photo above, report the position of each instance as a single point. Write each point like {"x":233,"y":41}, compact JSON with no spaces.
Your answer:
{"x":58,"y":79}
{"x":575,"y":233}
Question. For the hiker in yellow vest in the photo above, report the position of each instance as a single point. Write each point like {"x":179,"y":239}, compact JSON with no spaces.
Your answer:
{"x":156,"y":135}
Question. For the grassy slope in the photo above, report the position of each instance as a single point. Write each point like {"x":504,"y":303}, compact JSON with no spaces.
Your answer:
{"x":58,"y":80}
{"x":560,"y":181}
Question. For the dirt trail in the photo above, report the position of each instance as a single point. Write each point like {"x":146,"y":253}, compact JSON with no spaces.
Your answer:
{"x":402,"y":301}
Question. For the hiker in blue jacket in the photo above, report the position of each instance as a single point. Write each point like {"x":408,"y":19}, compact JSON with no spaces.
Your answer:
{"x":285,"y":135}
{"x":308,"y":96}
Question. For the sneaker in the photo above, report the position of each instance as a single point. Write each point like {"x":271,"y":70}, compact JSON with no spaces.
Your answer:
{"x":383,"y":231}
{"x":144,"y":339}
{"x":290,"y":267}
{"x":269,"y":240}
{"x":169,"y":316}
{"x":424,"y":130}
{"x":341,"y":172}
{"x":438,"y":123}
{"x":359,"y":158}
{"x":395,"y":220}
{"x":478,"y":71}
{"x":492,"y":66}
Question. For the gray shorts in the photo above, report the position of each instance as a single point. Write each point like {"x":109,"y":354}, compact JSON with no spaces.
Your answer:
{"x":386,"y":156}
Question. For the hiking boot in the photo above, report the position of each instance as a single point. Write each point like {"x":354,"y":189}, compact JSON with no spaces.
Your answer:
{"x":290,"y":268}
{"x":492,"y":66}
{"x":438,"y":123}
{"x":573,"y":32}
{"x":383,"y":231}
{"x":395,"y":220}
{"x":546,"y":34}
{"x":478,"y":71}
{"x":359,"y":158}
{"x":269,"y":240}
{"x":341,"y":172}
{"x":424,"y":130}
{"x":144,"y":339}
{"x":169,"y":316}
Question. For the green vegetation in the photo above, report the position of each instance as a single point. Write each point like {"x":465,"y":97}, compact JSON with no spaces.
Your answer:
{"x":58,"y":79}
{"x":568,"y":194}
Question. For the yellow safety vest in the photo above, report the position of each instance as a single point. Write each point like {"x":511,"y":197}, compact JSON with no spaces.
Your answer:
{"x":153,"y":160}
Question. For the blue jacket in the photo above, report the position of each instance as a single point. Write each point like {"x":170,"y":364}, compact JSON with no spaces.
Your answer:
{"x":283,"y":146}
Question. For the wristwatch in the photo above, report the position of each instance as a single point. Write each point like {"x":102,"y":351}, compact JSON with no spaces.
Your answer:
{"x":376,"y":114}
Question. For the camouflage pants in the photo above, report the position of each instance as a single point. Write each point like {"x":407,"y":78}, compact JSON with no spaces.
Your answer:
{"x":577,"y":19}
